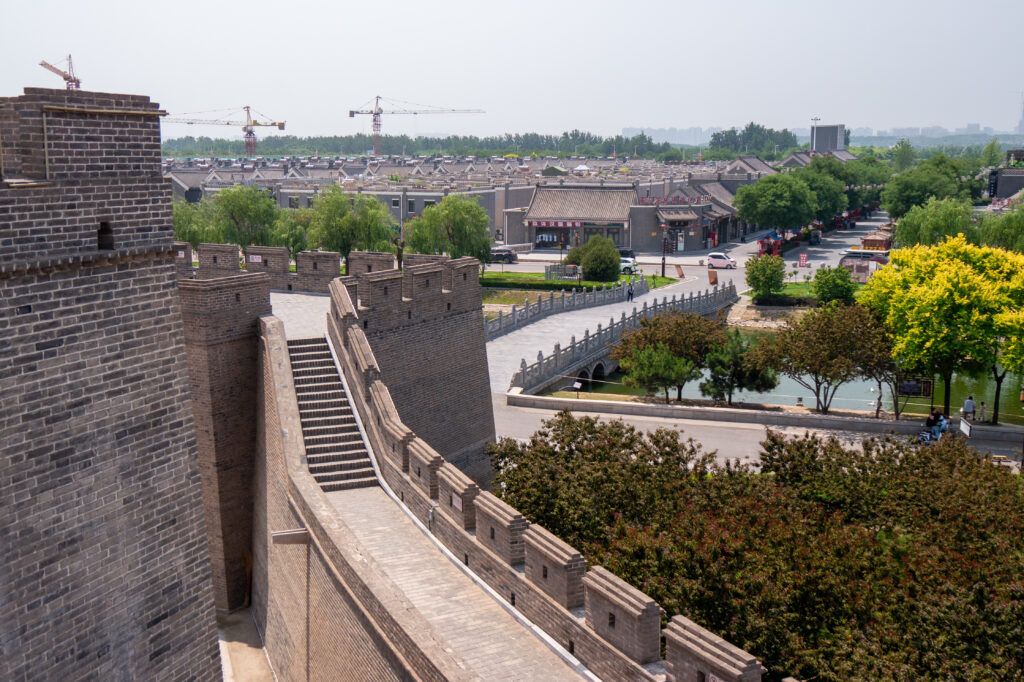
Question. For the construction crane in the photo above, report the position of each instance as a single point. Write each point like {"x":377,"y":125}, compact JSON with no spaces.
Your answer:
{"x":376,"y":112}
{"x":247,"y":126}
{"x":70,"y":79}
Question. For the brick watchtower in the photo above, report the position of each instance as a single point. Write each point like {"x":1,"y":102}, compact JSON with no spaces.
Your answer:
{"x":105,"y":571}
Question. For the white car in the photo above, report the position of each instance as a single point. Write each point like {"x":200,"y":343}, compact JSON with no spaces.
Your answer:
{"x":628,"y":266}
{"x":720,"y":260}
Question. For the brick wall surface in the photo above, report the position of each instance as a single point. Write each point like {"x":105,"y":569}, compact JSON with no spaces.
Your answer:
{"x":430,"y":346}
{"x":358,"y":625}
{"x":314,"y":270}
{"x":510,"y":580}
{"x":220,"y":319}
{"x":183,"y":260}
{"x":106,"y":572}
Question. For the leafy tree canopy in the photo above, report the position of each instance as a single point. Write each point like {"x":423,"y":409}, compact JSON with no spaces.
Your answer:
{"x":829,"y":192}
{"x":821,"y":351}
{"x":780,"y":201}
{"x":753,"y":139}
{"x":833,"y":284}
{"x":731,"y":370}
{"x":934,"y":221}
{"x":937,"y":177}
{"x":949,"y":306}
{"x":244,"y":215}
{"x":885,"y":562}
{"x":687,"y":336}
{"x":766,"y":275}
{"x":342,"y":222}
{"x":457,"y":226}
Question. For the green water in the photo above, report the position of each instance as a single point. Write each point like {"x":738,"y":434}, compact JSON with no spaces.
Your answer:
{"x":861,"y":395}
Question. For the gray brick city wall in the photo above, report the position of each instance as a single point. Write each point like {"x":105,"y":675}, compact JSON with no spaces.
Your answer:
{"x":358,"y":625}
{"x":571,"y":606}
{"x":426,"y":330}
{"x":220,"y":320}
{"x":106,"y":571}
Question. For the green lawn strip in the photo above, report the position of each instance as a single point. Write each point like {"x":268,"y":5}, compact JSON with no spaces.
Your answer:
{"x":805,"y":290}
{"x":535,"y":280}
{"x":510,"y":296}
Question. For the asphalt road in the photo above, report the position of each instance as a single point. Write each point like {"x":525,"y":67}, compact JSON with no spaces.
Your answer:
{"x":730,"y":441}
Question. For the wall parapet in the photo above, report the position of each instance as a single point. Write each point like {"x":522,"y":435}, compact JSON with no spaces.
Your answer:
{"x":314,"y":270}
{"x":537,"y":375}
{"x":544,"y":578}
{"x":565,"y":301}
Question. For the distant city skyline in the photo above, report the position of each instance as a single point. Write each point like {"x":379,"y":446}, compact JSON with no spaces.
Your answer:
{"x":599,"y":66}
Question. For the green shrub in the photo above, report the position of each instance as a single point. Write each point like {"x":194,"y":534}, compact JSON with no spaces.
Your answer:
{"x":766,"y":275}
{"x":601,"y":261}
{"x":833,"y":284}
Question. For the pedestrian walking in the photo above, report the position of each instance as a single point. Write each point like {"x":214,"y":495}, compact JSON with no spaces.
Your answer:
{"x":629,"y":292}
{"x":981,"y":412}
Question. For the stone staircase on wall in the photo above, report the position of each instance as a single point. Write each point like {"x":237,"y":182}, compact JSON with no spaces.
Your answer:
{"x":335,"y":451}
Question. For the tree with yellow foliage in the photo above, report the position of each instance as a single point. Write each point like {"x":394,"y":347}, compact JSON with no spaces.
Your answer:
{"x":953,"y":307}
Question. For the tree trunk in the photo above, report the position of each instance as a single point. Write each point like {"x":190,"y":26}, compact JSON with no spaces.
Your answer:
{"x":999,"y":385}
{"x":947,"y":384}
{"x":668,"y":401}
{"x":679,"y":392}
{"x":878,"y":403}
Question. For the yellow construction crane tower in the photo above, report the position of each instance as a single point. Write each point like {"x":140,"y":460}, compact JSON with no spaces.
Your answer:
{"x":70,"y":79}
{"x":247,"y":126}
{"x":376,"y":112}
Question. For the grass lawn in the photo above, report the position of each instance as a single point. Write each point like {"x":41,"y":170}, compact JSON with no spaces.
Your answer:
{"x":535,"y":280}
{"x":511,"y":296}
{"x":806,"y":290}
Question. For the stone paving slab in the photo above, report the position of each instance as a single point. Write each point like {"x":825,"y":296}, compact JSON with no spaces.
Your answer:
{"x":304,"y":315}
{"x":478,"y":629}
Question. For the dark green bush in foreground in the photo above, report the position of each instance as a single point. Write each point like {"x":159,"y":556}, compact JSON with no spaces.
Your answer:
{"x":887,"y":562}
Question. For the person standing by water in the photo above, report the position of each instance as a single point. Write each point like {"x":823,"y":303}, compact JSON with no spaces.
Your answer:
{"x":967,"y":411}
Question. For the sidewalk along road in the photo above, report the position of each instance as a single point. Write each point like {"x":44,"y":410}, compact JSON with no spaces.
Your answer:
{"x":729,"y":440}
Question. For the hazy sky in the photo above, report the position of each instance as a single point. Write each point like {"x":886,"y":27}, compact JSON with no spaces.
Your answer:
{"x":537,"y":66}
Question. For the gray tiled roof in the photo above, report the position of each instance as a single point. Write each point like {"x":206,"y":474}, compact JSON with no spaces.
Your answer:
{"x":676,"y":214}
{"x":749,"y":163}
{"x":581,"y":203}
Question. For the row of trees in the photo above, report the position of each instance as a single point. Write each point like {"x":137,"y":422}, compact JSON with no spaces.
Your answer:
{"x":818,"y":191}
{"x":338,"y":221}
{"x":569,"y":143}
{"x":673,"y":349}
{"x":753,"y":139}
{"x":938,"y":219}
{"x":953,"y":308}
{"x":885,"y":562}
{"x":939,"y":176}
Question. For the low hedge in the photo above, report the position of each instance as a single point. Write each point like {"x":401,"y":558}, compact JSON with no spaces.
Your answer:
{"x":540,"y":284}
{"x":785,"y":300}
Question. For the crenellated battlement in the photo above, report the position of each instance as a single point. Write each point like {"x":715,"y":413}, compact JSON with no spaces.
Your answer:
{"x":314,"y":270}
{"x":609,"y":625}
{"x":426,"y":289}
{"x":425,"y":326}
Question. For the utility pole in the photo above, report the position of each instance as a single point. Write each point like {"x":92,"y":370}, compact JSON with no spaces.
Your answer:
{"x":664,"y":246}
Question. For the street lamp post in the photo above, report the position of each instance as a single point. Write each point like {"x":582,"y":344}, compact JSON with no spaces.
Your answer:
{"x":664,"y":246}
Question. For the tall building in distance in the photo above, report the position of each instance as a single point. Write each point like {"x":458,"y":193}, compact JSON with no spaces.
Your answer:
{"x":828,"y":138}
{"x":1020,"y":124}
